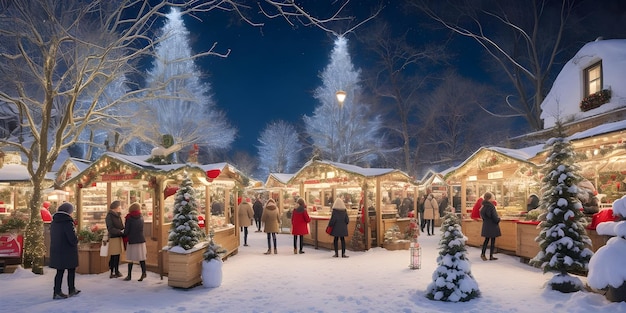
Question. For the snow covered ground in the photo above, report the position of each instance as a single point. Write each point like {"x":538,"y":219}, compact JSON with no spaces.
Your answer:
{"x":374,"y":281}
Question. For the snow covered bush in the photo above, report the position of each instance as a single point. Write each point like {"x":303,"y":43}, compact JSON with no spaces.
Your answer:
{"x":563,"y":240}
{"x":185,"y":231}
{"x":452,"y":280}
{"x":606,"y":268}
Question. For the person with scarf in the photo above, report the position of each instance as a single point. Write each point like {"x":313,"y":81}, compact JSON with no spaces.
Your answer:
{"x":136,"y":249}
{"x":115,"y":228}
{"x":63,"y":250}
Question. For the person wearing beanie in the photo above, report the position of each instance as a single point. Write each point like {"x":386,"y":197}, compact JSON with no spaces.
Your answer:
{"x":136,"y":250}
{"x":63,"y":250}
{"x":271,"y":221}
{"x":245,"y":216}
{"x":115,"y":228}
{"x":339,"y":222}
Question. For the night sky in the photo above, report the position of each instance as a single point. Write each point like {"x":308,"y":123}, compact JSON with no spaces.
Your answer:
{"x":270,"y":74}
{"x":272,"y":71}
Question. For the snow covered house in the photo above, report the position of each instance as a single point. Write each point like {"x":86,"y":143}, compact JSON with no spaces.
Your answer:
{"x":589,"y":91}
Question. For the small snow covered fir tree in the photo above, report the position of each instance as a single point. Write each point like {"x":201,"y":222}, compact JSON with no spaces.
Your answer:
{"x":452,"y":280}
{"x":214,"y":250}
{"x":185,"y":231}
{"x":562,"y":239}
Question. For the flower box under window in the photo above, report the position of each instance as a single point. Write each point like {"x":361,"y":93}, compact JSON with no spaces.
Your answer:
{"x":595,"y":100}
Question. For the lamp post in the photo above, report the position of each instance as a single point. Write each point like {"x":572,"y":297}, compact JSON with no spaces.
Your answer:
{"x":341,"y":97}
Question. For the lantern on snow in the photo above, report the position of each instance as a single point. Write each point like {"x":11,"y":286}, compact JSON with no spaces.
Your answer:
{"x":416,"y":256}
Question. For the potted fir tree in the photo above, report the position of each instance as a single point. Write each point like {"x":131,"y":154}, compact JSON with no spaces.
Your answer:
{"x":452,"y":280}
{"x":185,"y":245}
{"x":606,"y":267}
{"x":212,"y":264}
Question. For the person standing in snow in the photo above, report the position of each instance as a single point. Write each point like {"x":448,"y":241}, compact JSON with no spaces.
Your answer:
{"x":245,"y":216}
{"x":271,"y":221}
{"x":491,"y":225}
{"x":136,"y":249}
{"x":431,"y":208}
{"x":339,"y":222}
{"x":299,"y":225}
{"x":443,"y":205}
{"x":115,"y":228}
{"x":257,"y":207}
{"x":64,"y":250}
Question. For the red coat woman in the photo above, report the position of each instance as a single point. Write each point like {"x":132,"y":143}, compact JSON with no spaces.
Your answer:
{"x":299,"y":225}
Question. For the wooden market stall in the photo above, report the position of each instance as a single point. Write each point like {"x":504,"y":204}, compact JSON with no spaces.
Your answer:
{"x":510,"y":176}
{"x":285,"y":195}
{"x":131,"y":179}
{"x":370,"y":190}
{"x":15,"y":193}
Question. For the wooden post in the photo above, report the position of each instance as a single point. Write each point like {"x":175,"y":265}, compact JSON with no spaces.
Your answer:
{"x":157,"y":221}
{"x":79,"y":207}
{"x":379,"y":214}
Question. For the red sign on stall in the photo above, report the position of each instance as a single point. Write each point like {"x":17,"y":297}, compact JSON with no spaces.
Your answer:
{"x":11,"y":245}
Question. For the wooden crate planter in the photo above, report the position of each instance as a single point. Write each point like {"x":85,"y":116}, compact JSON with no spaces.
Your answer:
{"x":527,"y":247}
{"x":90,"y":261}
{"x":185,"y":269}
{"x":397,"y":245}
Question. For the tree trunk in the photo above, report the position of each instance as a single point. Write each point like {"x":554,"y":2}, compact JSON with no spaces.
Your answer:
{"x":34,"y":248}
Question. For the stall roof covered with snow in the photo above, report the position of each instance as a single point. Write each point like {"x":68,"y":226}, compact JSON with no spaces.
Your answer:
{"x":322,"y":171}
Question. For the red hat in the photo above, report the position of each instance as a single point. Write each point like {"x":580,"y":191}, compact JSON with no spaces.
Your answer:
{"x":46,"y":204}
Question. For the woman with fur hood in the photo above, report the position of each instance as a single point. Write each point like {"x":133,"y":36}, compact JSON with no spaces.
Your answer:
{"x":271,"y":221}
{"x":339,"y":222}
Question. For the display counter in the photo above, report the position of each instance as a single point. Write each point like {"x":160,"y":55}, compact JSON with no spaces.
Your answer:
{"x":318,"y":237}
{"x":508,"y":241}
{"x":518,"y":237}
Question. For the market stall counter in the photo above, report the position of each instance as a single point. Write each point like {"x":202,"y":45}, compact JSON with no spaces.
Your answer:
{"x":318,"y":237}
{"x":508,"y":241}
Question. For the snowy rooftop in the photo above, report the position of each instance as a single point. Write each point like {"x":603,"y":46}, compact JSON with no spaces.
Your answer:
{"x":563,"y":100}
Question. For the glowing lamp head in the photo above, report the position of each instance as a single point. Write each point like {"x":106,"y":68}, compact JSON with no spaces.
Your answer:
{"x":341,"y":97}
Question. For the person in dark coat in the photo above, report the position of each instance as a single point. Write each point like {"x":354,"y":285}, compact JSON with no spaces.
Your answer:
{"x":299,"y":225}
{"x":257,"y":207}
{"x":63,"y":250}
{"x":339,"y":222}
{"x":443,"y":205}
{"x":491,"y":225}
{"x":115,"y":229}
{"x":532,"y":203}
{"x":136,"y":250}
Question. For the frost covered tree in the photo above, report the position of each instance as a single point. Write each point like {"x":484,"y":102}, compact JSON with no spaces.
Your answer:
{"x":185,"y":231}
{"x":452,"y":280}
{"x":279,"y":149}
{"x":563,"y":240}
{"x":55,"y":54}
{"x":184,"y":107}
{"x":348,"y":133}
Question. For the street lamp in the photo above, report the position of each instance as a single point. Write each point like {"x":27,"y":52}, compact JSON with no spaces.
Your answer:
{"x":341,"y":97}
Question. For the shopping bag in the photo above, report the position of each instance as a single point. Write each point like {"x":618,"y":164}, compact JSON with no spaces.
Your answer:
{"x":104,"y":249}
